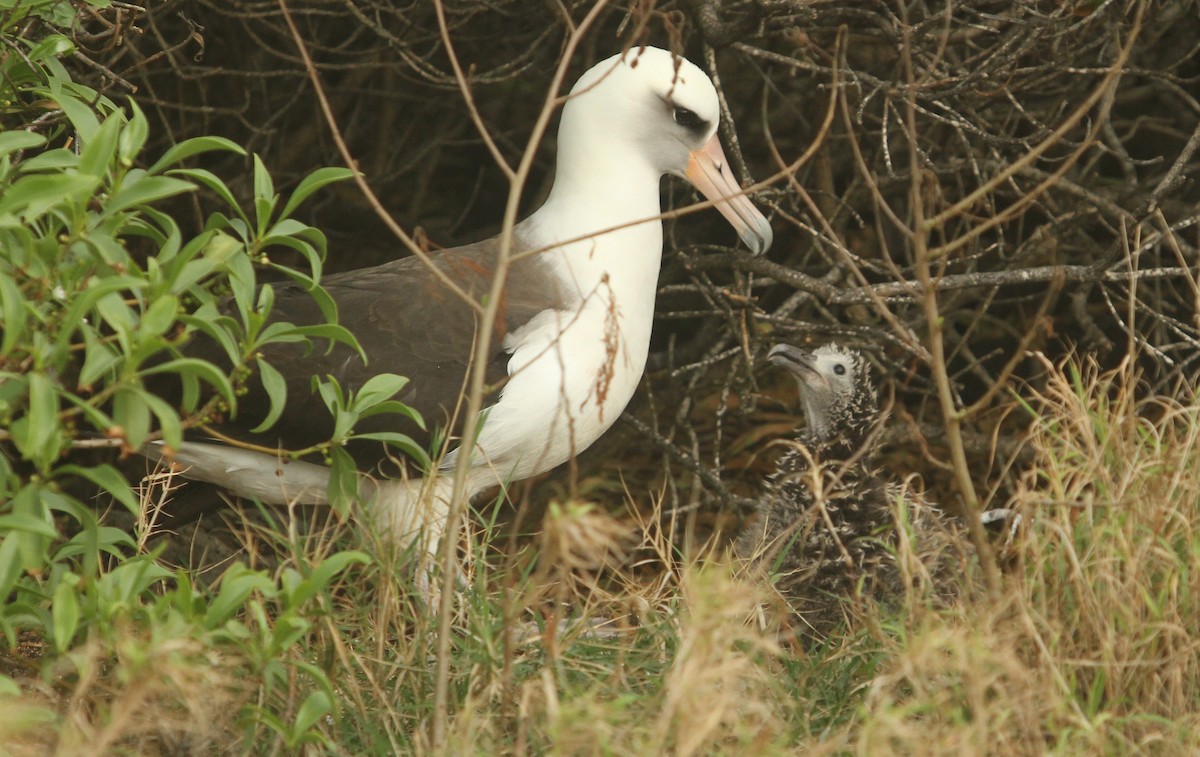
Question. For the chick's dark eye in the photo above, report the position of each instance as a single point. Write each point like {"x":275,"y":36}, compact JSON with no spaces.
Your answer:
{"x":839,"y":369}
{"x":685,"y":117}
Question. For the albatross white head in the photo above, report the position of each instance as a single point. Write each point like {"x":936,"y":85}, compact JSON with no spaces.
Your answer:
{"x":636,"y":116}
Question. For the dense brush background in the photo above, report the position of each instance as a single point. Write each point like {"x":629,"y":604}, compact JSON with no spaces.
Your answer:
{"x":1057,"y":293}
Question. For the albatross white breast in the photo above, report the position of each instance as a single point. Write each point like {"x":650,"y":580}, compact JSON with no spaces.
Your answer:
{"x":576,"y":317}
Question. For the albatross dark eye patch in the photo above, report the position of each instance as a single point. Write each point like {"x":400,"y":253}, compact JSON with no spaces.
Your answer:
{"x":688,"y":118}
{"x":839,"y":369}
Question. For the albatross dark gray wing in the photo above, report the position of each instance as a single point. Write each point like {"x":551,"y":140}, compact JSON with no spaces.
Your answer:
{"x":408,"y":322}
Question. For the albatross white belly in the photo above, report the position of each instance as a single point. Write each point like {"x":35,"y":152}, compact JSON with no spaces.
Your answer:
{"x":571,"y":376}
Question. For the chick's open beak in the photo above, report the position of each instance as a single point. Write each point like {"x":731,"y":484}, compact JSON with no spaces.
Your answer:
{"x":801,"y":363}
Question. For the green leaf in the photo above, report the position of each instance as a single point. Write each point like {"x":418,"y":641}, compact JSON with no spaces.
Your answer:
{"x":266,"y":298}
{"x":80,"y":113}
{"x":378,"y":388}
{"x":287,"y":630}
{"x":53,"y":46}
{"x":394,"y":407}
{"x":283,"y":332}
{"x":162,"y":230}
{"x":13,"y":310}
{"x":315,"y":706}
{"x":311,"y":255}
{"x":130,"y":581}
{"x":28,"y":546}
{"x":264,"y":188}
{"x":26,"y":523}
{"x":98,"y":359}
{"x":158,"y":317}
{"x":190,"y":147}
{"x":276,"y":388}
{"x":142,"y":189}
{"x":329,"y":331}
{"x":32,"y":196}
{"x":109,"y":290}
{"x":343,"y":481}
{"x":237,"y":584}
{"x":175,"y":257}
{"x":220,"y":330}
{"x":287,"y":227}
{"x":98,"y":151}
{"x":64,"y":612}
{"x":343,"y":423}
{"x":202,"y":368}
{"x":311,"y":183}
{"x":330,"y":392}
{"x":264,"y":209}
{"x":133,"y":136}
{"x":403,"y":442}
{"x":107,"y":478}
{"x":132,"y":413}
{"x":241,"y":278}
{"x":111,"y":540}
{"x":324,"y":572}
{"x":118,"y":315}
{"x":168,"y":420}
{"x":222,"y":248}
{"x":11,"y":141}
{"x":50,"y":160}
{"x":210,"y":180}
{"x":43,"y":435}
{"x":107,"y":248}
{"x":84,"y":544}
{"x":264,"y":197}
{"x":93,"y":414}
{"x":11,"y":551}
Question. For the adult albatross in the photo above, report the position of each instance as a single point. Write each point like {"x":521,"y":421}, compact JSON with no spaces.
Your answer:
{"x":573,"y":334}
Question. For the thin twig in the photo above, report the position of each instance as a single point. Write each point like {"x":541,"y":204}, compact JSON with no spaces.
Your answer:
{"x":934,"y":322}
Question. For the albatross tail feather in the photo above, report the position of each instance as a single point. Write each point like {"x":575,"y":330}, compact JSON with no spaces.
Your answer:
{"x":270,"y":479}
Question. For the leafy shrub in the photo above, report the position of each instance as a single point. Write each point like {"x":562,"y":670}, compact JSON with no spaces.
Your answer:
{"x":99,"y":291}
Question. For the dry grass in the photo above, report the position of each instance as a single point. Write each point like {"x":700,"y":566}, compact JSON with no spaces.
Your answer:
{"x":1092,"y":647}
{"x":1109,"y":600}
